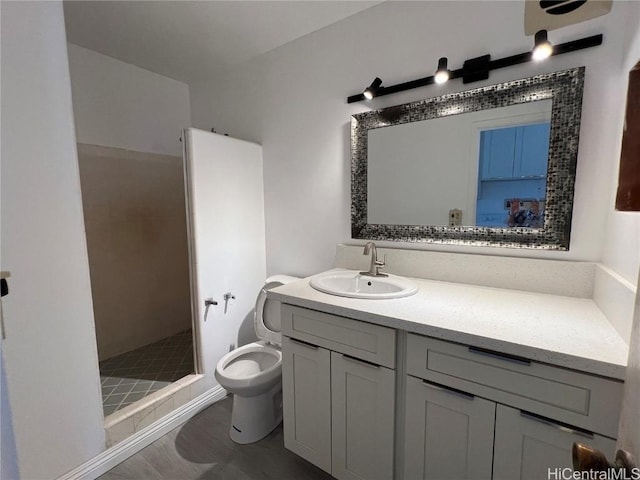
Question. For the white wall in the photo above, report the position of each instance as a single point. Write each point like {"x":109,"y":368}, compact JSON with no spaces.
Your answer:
{"x":292,"y":100}
{"x":225,"y":198}
{"x":622,"y":244}
{"x":117,"y":104}
{"x":50,"y":350}
{"x":615,"y":286}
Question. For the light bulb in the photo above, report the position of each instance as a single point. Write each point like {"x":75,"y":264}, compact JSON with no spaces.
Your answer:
{"x":372,"y":89}
{"x":441,"y":77}
{"x":543,"y":48}
{"x":442,"y":74}
{"x":542,"y":51}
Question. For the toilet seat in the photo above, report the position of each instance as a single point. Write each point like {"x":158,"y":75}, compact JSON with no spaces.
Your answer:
{"x":254,"y":365}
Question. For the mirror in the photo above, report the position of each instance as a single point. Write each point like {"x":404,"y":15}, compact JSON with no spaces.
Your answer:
{"x":497,"y":162}
{"x":474,"y":163}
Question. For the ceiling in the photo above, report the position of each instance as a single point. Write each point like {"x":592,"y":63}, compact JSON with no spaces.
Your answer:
{"x":192,"y":41}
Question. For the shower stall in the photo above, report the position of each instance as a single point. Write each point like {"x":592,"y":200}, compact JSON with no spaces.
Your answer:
{"x":137,"y":241}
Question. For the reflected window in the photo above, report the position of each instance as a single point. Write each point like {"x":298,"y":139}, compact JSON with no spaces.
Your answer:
{"x":512,"y":177}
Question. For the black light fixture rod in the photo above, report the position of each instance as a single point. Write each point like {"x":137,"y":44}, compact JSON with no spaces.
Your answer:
{"x":581,"y":44}
{"x":560,"y":49}
{"x":420,"y":82}
{"x":510,"y":61}
{"x":401,"y":87}
{"x":524,"y":57}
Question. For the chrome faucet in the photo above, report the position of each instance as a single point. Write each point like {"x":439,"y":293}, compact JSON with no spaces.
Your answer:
{"x":376,"y":265}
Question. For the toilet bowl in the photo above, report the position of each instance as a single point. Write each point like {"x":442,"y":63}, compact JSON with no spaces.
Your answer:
{"x":253,"y":372}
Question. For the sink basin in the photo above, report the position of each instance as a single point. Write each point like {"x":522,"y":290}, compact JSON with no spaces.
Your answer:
{"x":349,"y":283}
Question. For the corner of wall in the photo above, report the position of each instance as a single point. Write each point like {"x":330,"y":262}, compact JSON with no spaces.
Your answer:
{"x":615,"y":296}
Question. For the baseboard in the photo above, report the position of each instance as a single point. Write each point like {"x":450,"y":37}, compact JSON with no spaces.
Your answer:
{"x":111,"y":457}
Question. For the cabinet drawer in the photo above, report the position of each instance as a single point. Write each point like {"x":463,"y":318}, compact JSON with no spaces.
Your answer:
{"x":366,"y":341}
{"x":579,"y":399}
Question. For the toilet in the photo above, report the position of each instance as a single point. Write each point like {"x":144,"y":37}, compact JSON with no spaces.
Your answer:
{"x":253,"y":372}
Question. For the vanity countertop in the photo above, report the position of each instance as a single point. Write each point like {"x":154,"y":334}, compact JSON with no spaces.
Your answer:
{"x":563,"y":331}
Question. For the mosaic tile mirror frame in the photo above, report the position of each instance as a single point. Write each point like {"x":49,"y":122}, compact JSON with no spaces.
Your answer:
{"x":564,"y":88}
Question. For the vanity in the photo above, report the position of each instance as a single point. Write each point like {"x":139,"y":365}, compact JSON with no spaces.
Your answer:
{"x":457,"y":381}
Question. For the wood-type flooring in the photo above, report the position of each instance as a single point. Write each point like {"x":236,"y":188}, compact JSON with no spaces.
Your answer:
{"x":201,"y":449}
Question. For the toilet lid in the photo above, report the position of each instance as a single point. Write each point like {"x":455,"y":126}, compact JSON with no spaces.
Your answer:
{"x":267,"y":313}
{"x":267,"y":316}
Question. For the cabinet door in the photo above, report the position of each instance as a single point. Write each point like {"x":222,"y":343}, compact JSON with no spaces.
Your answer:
{"x":306,"y":388}
{"x":531,"y":448}
{"x":497,"y":152}
{"x":448,"y":434}
{"x":362,"y":419}
{"x":533,"y":150}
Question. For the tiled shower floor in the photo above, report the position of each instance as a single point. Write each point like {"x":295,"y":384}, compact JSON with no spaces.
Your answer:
{"x":133,"y":375}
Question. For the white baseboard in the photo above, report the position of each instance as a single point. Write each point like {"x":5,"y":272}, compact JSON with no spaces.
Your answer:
{"x":111,"y":457}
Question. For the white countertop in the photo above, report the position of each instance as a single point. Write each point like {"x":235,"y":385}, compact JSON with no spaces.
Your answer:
{"x":564,"y":331}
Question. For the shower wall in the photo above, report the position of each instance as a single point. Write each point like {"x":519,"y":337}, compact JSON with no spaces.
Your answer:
{"x":135,"y":220}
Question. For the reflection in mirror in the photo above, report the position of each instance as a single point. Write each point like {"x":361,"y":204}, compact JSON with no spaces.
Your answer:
{"x":512,"y":173}
{"x":476,"y":163}
{"x":490,"y":166}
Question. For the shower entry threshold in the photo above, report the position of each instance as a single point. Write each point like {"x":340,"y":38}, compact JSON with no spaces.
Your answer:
{"x":142,"y":413}
{"x":131,"y":376}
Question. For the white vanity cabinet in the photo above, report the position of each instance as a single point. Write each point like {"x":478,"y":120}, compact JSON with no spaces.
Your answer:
{"x":364,"y":401}
{"x":339,"y":393}
{"x":491,"y":415}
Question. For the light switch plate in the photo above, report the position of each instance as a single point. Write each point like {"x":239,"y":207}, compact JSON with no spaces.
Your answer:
{"x":455,"y":217}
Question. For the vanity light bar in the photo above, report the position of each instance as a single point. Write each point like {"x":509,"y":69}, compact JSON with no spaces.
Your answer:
{"x":478,"y":68}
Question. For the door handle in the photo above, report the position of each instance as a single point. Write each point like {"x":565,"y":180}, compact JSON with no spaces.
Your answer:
{"x":303,"y":343}
{"x":359,"y":360}
{"x":559,"y":425}
{"x":500,"y":356}
{"x":454,"y":391}
{"x":4,"y":290}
